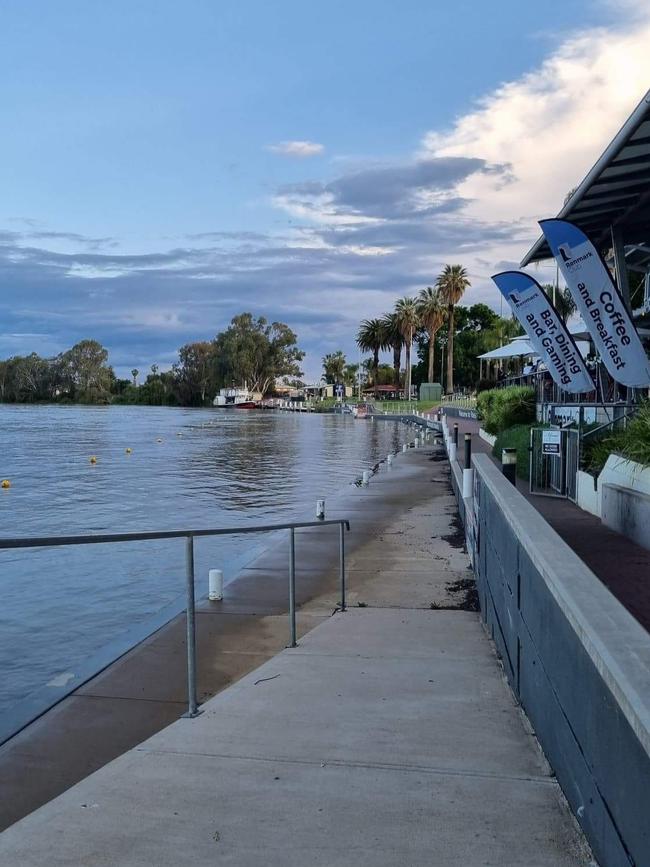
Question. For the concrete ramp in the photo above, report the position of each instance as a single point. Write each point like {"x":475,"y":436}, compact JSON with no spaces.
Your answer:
{"x":387,"y":737}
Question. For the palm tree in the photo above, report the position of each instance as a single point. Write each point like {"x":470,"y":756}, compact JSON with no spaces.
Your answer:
{"x":372,"y":337}
{"x":135,"y":373}
{"x":451,"y":284}
{"x":334,"y":367}
{"x":408,"y":321}
{"x":395,"y":340}
{"x":563,"y":301}
{"x":432,"y":316}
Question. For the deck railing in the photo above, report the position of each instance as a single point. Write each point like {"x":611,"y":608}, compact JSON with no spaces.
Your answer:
{"x":189,"y":536}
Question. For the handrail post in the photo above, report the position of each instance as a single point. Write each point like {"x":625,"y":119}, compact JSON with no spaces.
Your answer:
{"x":192,"y":706}
{"x":342,"y":563}
{"x":292,"y":586}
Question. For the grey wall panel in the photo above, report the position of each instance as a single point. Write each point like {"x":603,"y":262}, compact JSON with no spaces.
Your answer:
{"x":577,"y":661}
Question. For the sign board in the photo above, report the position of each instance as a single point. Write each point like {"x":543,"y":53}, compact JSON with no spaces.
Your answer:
{"x":546,"y":331}
{"x":599,"y":303}
{"x":551,"y":440}
{"x":339,"y":390}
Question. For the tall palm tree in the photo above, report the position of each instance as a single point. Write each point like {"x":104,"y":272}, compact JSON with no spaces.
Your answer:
{"x":432,"y":317}
{"x":334,"y":367}
{"x":562,"y":299}
{"x":451,"y":284}
{"x":372,"y":338}
{"x":395,"y":340}
{"x":408,"y":322}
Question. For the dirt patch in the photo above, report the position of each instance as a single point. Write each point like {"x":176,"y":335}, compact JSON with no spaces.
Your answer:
{"x":466,"y":593}
{"x":457,"y":538}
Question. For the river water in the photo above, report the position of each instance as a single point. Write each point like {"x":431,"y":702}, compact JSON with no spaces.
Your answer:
{"x":187,"y":469}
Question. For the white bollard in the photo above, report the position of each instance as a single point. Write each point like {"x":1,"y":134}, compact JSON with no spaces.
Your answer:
{"x":404,"y":447}
{"x":365,"y":480}
{"x":468,"y":483}
{"x":389,"y":460}
{"x":416,"y":443}
{"x":320,"y":510}
{"x":451,"y":448}
{"x":215,"y":585}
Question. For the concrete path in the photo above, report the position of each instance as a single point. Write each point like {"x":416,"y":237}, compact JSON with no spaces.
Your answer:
{"x":602,"y":549}
{"x":387,"y":737}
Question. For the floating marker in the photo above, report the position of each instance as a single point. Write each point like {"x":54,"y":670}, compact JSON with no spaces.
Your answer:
{"x":5,"y":483}
{"x":93,"y":459}
{"x":127,"y":450}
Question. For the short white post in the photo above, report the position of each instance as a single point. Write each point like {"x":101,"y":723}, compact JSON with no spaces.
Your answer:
{"x":215,"y":585}
{"x":417,"y":442}
{"x":320,"y":510}
{"x":389,"y":459}
{"x":405,"y":447}
{"x":365,"y":480}
{"x":451,"y":448}
{"x":468,"y":483}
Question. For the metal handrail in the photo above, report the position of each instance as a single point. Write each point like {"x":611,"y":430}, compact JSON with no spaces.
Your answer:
{"x":189,"y":536}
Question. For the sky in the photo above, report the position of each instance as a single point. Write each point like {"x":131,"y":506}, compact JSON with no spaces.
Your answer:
{"x":164,"y":166}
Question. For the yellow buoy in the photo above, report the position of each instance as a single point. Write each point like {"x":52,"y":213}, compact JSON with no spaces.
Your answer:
{"x":5,"y":483}
{"x":93,"y":459}
{"x":127,"y":450}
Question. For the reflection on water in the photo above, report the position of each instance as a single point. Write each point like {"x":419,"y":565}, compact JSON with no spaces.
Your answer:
{"x":211,"y":468}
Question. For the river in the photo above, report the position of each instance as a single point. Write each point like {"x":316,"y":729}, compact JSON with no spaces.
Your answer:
{"x":186,"y":469}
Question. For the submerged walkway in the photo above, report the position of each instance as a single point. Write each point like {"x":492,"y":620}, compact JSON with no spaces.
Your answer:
{"x":387,"y":737}
{"x":621,"y":564}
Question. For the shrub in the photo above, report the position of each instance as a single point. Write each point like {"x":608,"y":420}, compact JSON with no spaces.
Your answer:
{"x":517,"y":437}
{"x":502,"y":408}
{"x":631,"y":442}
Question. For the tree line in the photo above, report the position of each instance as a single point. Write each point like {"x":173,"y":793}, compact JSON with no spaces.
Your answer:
{"x":250,"y":350}
{"x":440,"y":326}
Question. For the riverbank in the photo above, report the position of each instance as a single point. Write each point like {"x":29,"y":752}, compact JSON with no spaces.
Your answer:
{"x":387,"y":735}
{"x":145,"y":690}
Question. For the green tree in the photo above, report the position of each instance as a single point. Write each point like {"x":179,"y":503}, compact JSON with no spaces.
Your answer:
{"x":195,"y":372}
{"x":85,"y":371}
{"x":564,"y":303}
{"x":408,"y":322}
{"x":451,"y":284}
{"x":395,"y":341}
{"x":334,"y":364}
{"x":372,"y":337}
{"x":432,"y":315}
{"x":254,"y":352}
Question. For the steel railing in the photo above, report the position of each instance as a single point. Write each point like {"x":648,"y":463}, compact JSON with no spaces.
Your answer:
{"x":189,"y":536}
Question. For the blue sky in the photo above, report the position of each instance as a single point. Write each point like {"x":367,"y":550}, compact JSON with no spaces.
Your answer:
{"x":167,"y":165}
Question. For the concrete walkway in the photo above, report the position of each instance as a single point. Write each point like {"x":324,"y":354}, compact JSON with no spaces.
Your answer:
{"x":387,"y":737}
{"x":602,"y":549}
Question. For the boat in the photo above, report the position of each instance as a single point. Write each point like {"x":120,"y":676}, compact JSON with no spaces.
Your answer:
{"x":361,"y":410}
{"x":235,"y":398}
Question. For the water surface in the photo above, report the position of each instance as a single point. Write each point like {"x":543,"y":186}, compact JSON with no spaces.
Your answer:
{"x":187,"y":469}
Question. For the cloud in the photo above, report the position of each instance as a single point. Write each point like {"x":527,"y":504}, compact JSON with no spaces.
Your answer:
{"x":349,"y":243}
{"x":300,"y":149}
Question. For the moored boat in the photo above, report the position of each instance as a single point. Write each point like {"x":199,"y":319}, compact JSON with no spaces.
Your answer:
{"x":235,"y":398}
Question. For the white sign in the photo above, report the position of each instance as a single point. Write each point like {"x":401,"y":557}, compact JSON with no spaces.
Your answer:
{"x":551,"y":440}
{"x":599,"y":303}
{"x":546,"y":330}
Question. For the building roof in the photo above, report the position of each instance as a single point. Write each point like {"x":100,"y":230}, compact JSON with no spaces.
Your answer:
{"x":615,"y":193}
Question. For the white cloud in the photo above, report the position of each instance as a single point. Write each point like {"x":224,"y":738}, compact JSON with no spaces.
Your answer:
{"x":551,"y":125}
{"x":300,"y":149}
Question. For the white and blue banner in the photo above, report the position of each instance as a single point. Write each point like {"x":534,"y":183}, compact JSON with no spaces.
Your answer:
{"x":546,"y":330}
{"x":599,"y":303}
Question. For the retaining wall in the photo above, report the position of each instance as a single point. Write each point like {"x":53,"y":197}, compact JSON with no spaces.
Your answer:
{"x":578,"y":662}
